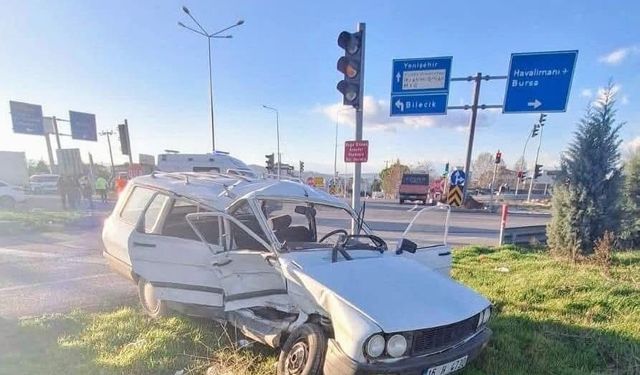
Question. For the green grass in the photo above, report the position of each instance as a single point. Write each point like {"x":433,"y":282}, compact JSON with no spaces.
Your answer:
{"x":551,"y":317}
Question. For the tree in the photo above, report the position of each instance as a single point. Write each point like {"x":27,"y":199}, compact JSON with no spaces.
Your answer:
{"x":520,"y":164}
{"x":631,"y":199}
{"x":391,"y":178}
{"x":586,"y":202}
{"x":37,"y":167}
{"x":482,"y":169}
{"x":424,"y":166}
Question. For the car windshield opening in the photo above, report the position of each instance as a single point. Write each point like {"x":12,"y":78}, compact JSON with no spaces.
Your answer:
{"x":304,"y":225}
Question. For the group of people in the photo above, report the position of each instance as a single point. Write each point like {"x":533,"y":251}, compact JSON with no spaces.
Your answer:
{"x":74,"y":190}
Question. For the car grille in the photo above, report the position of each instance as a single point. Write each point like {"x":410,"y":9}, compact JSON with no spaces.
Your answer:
{"x":436,"y":339}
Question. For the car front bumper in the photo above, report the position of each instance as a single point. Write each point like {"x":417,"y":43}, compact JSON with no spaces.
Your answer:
{"x":336,"y":362}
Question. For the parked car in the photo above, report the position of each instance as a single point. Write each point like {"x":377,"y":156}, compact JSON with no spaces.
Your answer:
{"x":43,"y":183}
{"x":10,"y":195}
{"x":278,"y":260}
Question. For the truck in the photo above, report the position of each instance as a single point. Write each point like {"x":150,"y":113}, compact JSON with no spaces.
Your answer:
{"x":414,"y":187}
{"x":13,"y":168}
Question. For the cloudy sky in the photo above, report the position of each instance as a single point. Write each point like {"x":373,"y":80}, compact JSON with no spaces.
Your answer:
{"x":129,"y":59}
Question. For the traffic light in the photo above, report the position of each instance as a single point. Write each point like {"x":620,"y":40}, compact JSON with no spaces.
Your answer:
{"x":543,"y":118}
{"x":520,"y":175}
{"x":125,"y":145}
{"x":498,"y":157}
{"x":535,"y":130}
{"x":301,"y":166}
{"x":446,"y":169}
{"x":269,"y":161}
{"x":351,"y":65}
{"x":538,"y":171}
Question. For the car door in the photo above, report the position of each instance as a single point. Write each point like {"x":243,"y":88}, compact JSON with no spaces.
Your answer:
{"x":248,"y":271}
{"x":166,"y":252}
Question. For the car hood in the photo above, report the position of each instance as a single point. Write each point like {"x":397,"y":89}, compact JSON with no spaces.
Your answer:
{"x":395,"y":293}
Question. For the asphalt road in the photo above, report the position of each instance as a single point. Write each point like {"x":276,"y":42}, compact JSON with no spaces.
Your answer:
{"x":43,"y":273}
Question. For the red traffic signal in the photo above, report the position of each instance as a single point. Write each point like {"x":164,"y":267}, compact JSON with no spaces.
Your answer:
{"x":498,"y":157}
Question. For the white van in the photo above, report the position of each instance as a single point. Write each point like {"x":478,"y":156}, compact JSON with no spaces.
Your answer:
{"x":218,"y":161}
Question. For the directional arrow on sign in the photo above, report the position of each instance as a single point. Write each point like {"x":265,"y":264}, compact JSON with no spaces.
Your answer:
{"x":535,"y":104}
{"x":398,"y":76}
{"x":400,"y":105}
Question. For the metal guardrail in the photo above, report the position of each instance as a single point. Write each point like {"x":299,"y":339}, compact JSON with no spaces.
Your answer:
{"x":527,"y":235}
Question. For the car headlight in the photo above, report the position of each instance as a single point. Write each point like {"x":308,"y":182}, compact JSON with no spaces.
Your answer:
{"x":484,"y":316}
{"x":396,"y":346}
{"x":375,"y":346}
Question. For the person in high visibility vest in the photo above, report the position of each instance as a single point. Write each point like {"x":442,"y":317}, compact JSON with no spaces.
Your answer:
{"x":101,"y":188}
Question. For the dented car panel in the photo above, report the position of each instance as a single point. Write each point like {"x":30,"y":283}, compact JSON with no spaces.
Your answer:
{"x":265,"y":256}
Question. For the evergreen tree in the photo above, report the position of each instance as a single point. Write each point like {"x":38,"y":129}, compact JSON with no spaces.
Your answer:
{"x":587,"y":200}
{"x":631,"y":227}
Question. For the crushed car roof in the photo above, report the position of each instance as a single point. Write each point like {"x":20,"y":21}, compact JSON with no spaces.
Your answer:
{"x":220,"y":191}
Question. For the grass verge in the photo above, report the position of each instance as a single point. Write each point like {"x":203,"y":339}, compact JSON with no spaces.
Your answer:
{"x":551,"y":317}
{"x":38,"y":219}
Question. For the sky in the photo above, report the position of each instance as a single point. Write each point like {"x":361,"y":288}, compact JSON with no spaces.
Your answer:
{"x":129,"y":59}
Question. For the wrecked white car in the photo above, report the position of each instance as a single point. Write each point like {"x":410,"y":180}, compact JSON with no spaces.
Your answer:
{"x":280,"y":261}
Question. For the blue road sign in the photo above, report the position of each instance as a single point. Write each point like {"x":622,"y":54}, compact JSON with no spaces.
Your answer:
{"x":458,"y":178}
{"x":419,"y":104}
{"x":26,"y":118}
{"x":430,"y":74}
{"x":83,"y":126}
{"x":539,"y":81}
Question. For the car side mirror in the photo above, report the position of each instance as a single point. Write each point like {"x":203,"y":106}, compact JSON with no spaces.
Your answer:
{"x":406,"y":245}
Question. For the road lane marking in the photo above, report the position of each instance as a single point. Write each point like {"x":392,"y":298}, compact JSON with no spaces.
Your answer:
{"x":27,"y":254}
{"x":46,"y":283}
{"x":413,"y":208}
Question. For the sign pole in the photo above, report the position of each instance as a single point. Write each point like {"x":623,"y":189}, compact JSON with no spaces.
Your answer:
{"x":55,"y":129}
{"x":472,"y":127}
{"x":535,"y":163}
{"x":357,"y":169}
{"x":493,"y":181}
{"x":49,"y":153}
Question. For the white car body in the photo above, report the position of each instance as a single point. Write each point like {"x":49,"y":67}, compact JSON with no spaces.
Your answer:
{"x":374,"y":293}
{"x":10,"y":195}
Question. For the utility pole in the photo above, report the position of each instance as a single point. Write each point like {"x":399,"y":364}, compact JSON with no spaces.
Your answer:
{"x":49,"y":153}
{"x":477,"y":80}
{"x":55,"y":129}
{"x":109,"y":133}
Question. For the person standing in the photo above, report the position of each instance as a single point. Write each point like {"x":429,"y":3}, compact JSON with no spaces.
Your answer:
{"x":87,"y":190}
{"x":101,"y":188}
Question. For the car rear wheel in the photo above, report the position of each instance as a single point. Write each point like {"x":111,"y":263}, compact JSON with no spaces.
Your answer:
{"x":7,"y":202}
{"x":303,"y":352}
{"x":152,"y":306}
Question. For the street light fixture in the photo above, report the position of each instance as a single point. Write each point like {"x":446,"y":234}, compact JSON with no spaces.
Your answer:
{"x":216,"y":35}
{"x":277,"y":134}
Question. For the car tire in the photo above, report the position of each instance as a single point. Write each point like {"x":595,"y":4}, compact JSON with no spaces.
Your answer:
{"x":7,"y":202}
{"x":304,"y":351}
{"x":152,"y":306}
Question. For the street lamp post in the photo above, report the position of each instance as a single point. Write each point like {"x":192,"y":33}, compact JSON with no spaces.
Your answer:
{"x":109,"y":133}
{"x":277,"y":135}
{"x":204,"y":33}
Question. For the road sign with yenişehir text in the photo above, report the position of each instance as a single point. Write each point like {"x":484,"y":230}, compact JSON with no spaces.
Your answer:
{"x":419,"y":104}
{"x":539,"y":81}
{"x":83,"y":126}
{"x":420,"y":86}
{"x":26,"y":118}
{"x":356,"y":151}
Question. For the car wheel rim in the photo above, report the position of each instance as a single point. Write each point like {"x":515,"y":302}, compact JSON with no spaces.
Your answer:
{"x":297,"y":358}
{"x":151,"y":302}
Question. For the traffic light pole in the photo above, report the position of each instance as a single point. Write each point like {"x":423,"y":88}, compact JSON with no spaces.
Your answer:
{"x":524,"y":150}
{"x":126,"y":125}
{"x":533,"y":176}
{"x":357,"y":170}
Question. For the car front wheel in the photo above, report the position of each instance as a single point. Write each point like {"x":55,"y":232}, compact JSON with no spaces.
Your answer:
{"x":152,"y":306}
{"x":303,"y":352}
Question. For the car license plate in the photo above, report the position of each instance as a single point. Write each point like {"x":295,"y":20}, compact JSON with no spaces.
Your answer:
{"x":447,"y":368}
